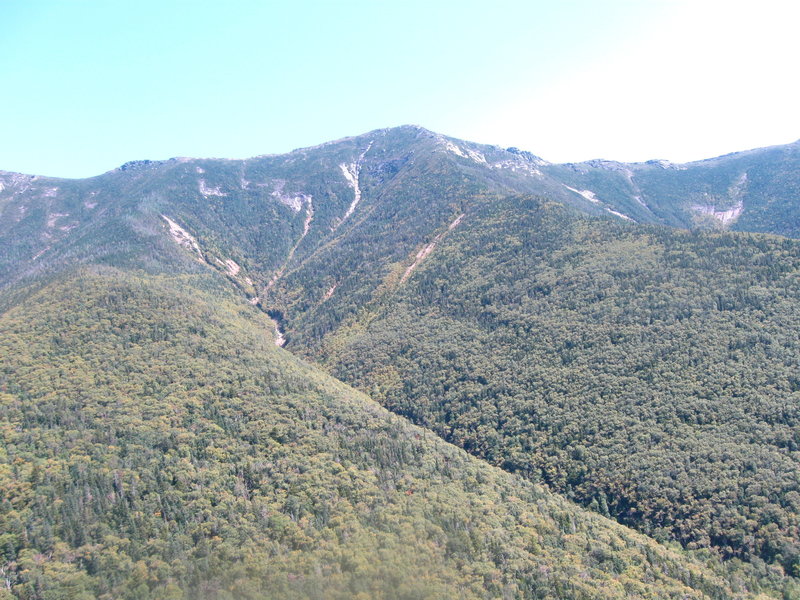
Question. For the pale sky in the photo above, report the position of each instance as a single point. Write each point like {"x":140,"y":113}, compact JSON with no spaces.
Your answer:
{"x":88,"y":85}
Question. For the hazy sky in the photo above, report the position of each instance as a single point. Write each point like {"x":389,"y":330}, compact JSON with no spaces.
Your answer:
{"x":88,"y":85}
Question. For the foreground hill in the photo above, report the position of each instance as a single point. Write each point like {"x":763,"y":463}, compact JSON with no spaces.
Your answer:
{"x":156,"y":444}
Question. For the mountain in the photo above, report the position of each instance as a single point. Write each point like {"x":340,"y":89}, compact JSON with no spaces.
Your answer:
{"x":246,"y":203}
{"x":158,"y":443}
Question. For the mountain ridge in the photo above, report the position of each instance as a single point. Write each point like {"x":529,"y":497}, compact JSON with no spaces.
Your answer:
{"x":694,"y":194}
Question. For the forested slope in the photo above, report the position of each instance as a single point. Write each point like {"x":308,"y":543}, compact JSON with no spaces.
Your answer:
{"x":156,"y":444}
{"x":649,"y":373}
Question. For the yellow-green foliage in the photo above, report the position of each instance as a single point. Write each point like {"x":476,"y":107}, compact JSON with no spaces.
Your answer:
{"x":156,"y":444}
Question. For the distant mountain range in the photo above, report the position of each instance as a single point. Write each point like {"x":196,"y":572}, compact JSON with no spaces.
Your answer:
{"x":600,"y":337}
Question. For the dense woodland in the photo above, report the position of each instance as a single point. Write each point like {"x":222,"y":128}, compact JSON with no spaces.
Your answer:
{"x":156,"y":444}
{"x":647,"y":373}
